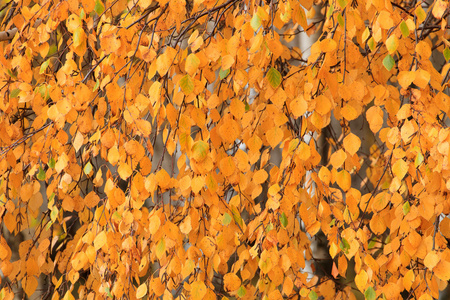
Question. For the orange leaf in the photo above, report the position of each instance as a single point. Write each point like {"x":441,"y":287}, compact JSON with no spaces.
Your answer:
{"x":198,"y":290}
{"x":407,"y":131}
{"x":124,"y":171}
{"x":227,"y":166}
{"x":344,"y":180}
{"x":352,"y":143}
{"x":405,"y":78}
{"x":338,"y":158}
{"x":408,"y":279}
{"x":375,"y":118}
{"x":298,"y":106}
{"x":431,"y":260}
{"x":328,"y":45}
{"x":377,"y":224}
{"x":274,"y":136}
{"x":91,"y":200}
{"x":349,"y":112}
{"x":231,"y":282}
{"x":227,"y":62}
{"x":260,"y":176}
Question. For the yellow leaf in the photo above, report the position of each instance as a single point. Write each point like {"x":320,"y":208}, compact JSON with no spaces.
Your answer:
{"x":344,"y":180}
{"x":124,"y":171}
{"x":400,"y":168}
{"x":379,"y":202}
{"x":100,"y":240}
{"x":325,"y":175}
{"x":141,"y":291}
{"x":154,"y":224}
{"x":198,"y":290}
{"x":407,"y":131}
{"x":192,"y":63}
{"x":361,"y":280}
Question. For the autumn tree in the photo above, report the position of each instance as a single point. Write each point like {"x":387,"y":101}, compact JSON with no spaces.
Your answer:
{"x":138,"y":142}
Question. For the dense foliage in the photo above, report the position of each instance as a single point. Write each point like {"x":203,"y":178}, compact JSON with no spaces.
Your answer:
{"x":190,"y":150}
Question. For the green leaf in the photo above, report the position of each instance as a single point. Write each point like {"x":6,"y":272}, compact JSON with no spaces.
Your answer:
{"x":406,"y":208}
{"x":447,"y":54}
{"x":371,"y":44}
{"x":14,"y":93}
{"x":404,"y":29}
{"x":41,"y":174}
{"x":87,"y":168}
{"x":344,"y":245}
{"x":330,"y":11}
{"x":247,"y":107}
{"x":419,"y":159}
{"x":78,"y":36}
{"x":342,"y":3}
{"x":51,"y":163}
{"x":421,"y":14}
{"x":241,"y":291}
{"x":255,"y":22}
{"x":223,"y":73}
{"x":52,"y":50}
{"x":284,"y":220}
{"x":226,"y":219}
{"x":187,"y":84}
{"x":370,"y":293}
{"x":99,"y":8}
{"x":274,"y":77}
{"x":44,"y":66}
{"x":388,"y":62}
{"x":313,"y":295}
{"x":97,"y":84}
{"x":392,"y":43}
{"x":54,"y":213}
{"x":236,"y":215}
{"x":160,"y":248}
{"x":371,"y":244}
{"x":200,"y":150}
{"x":340,"y":20}
{"x":108,"y":292}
